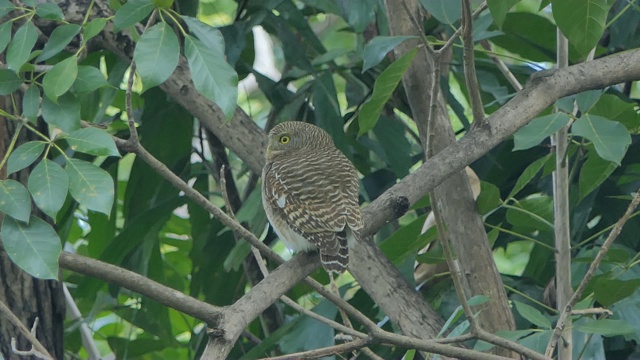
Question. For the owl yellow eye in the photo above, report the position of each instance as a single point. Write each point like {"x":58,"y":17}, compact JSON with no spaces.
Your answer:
{"x":284,"y":139}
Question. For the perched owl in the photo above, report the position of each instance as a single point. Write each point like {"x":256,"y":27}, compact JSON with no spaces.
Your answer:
{"x":310,"y":193}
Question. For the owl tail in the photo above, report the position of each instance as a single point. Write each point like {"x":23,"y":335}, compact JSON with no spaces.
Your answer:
{"x":338,"y":261}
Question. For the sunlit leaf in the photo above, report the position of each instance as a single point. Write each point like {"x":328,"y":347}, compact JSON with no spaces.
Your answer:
{"x":383,"y":88}
{"x":14,"y":200}
{"x":48,"y":184}
{"x":34,"y":247}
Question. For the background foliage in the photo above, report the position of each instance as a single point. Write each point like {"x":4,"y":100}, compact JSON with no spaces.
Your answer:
{"x":331,"y":67}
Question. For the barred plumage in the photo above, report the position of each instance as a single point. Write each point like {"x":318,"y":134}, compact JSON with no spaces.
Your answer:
{"x":310,"y":193}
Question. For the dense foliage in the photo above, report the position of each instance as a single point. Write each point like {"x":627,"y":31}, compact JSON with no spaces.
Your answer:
{"x":325,"y":62}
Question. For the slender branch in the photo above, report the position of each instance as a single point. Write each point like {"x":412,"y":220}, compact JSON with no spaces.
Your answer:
{"x":469,"y":64}
{"x":37,"y":348}
{"x":142,"y":285}
{"x":456,"y":34}
{"x":501,"y":66}
{"x":613,"y":235}
{"x":85,"y":333}
{"x":331,"y":350}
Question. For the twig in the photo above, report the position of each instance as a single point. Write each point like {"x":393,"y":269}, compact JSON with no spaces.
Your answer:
{"x":501,"y":66}
{"x":592,"y":311}
{"x":590,"y":273}
{"x":469,"y":64}
{"x":37,"y":349}
{"x":318,"y":353}
{"x":456,"y":34}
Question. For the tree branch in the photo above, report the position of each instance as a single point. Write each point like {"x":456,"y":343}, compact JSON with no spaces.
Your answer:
{"x":37,"y":349}
{"x":469,"y":64}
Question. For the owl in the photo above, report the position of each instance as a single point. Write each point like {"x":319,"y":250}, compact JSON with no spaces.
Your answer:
{"x":310,"y":193}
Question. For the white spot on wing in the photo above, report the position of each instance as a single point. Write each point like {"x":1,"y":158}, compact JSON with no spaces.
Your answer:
{"x":281,"y":201}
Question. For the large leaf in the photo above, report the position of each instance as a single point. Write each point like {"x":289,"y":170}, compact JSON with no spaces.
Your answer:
{"x":14,"y":200}
{"x":528,"y":174}
{"x":358,"y":13}
{"x":609,"y":291}
{"x":132,"y":12}
{"x":378,"y":48}
{"x":446,"y":11}
{"x":607,"y":327}
{"x":610,"y":138}
{"x":89,"y":79}
{"x":156,"y":55}
{"x":5,"y":7}
{"x":31,"y":103}
{"x":90,"y":186}
{"x":499,"y":9}
{"x":20,"y":47}
{"x":594,"y":172}
{"x":533,"y":315}
{"x":65,"y":114}
{"x":382,"y":90}
{"x":35,"y":247}
{"x":92,"y":141}
{"x":48,"y":184}
{"x":60,"y":78}
{"x":209,"y":35}
{"x":24,"y":155}
{"x":9,"y":81}
{"x":212,"y":76}
{"x":60,"y":37}
{"x":582,"y":21}
{"x":539,"y":129}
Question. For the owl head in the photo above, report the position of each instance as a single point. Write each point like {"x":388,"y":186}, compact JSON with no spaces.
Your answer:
{"x":292,"y":137}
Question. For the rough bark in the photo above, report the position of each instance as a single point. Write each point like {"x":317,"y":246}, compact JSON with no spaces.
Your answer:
{"x":454,"y":198}
{"x":27,"y":297}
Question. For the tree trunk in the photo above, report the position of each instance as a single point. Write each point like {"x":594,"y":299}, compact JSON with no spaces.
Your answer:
{"x":26,"y":296}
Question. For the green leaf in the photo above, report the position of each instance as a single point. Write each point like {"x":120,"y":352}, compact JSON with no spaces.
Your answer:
{"x":5,"y":34}
{"x":92,"y":141}
{"x":594,"y":172}
{"x":489,"y":198}
{"x":539,"y":129}
{"x":60,"y":37}
{"x":89,"y":79}
{"x":532,"y":213}
{"x":90,"y":185}
{"x":48,"y":184}
{"x":60,"y":78}
{"x":9,"y":82}
{"x":614,"y":108}
{"x":609,"y":291}
{"x":5,"y":8}
{"x":132,"y":12}
{"x":382,"y":90}
{"x":375,"y":51}
{"x":407,"y":240}
{"x":478,"y":300}
{"x":65,"y":114}
{"x":581,"y":21}
{"x":209,"y":35}
{"x":445,"y":11}
{"x":212,"y":76}
{"x":499,"y":9}
{"x":31,"y":103}
{"x":533,"y":315}
{"x":35,"y":247}
{"x":610,"y":138}
{"x":49,"y":11}
{"x":606,"y":327}
{"x":156,"y":55}
{"x":528,"y":174}
{"x":14,"y":200}
{"x":24,"y":155}
{"x":92,"y":28}
{"x":587,"y":99}
{"x":20,"y":47}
